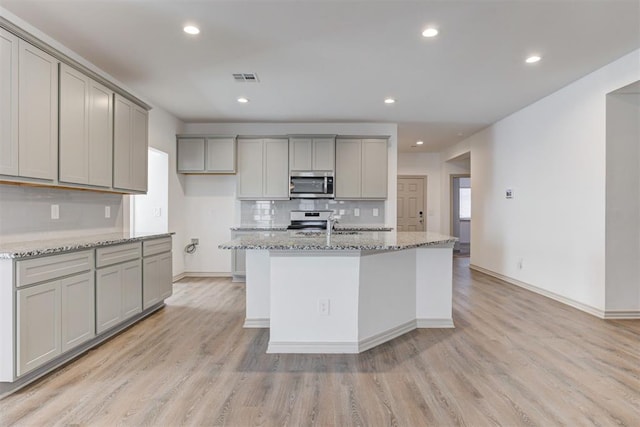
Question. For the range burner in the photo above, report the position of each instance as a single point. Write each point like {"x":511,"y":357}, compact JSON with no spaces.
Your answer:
{"x":309,"y":220}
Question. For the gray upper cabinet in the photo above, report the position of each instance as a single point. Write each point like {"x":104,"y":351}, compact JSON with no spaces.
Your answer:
{"x":100,"y":135}
{"x":86,"y":130}
{"x":191,"y":155}
{"x":58,"y":122}
{"x":130,"y":135}
{"x":74,"y":126}
{"x":206,"y":155}
{"x":348,"y":169}
{"x":37,"y":113}
{"x":311,"y":154}
{"x":374,"y":168}
{"x":361,"y":168}
{"x":221,"y":155}
{"x":8,"y":103}
{"x":262,"y":169}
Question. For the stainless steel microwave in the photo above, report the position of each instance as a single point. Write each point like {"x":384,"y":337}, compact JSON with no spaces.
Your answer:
{"x":311,"y":185}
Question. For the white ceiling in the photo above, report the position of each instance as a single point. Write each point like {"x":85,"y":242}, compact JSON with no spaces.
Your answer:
{"x":335,"y":61}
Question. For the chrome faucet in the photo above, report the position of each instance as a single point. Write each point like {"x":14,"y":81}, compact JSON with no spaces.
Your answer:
{"x":331,"y":223}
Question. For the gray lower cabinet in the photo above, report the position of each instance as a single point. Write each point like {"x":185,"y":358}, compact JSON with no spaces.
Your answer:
{"x":157,"y":283}
{"x":38,"y":325}
{"x":238,"y":259}
{"x":207,"y":155}
{"x":55,"y":315}
{"x":263,"y":169}
{"x":361,"y":168}
{"x":118,"y":284}
{"x":54,"y":304}
{"x":78,"y":310}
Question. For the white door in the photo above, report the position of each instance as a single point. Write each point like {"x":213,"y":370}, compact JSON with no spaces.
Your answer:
{"x":411,"y":206}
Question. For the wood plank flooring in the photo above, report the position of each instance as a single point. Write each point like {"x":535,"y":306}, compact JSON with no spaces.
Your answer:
{"x":514,"y":359}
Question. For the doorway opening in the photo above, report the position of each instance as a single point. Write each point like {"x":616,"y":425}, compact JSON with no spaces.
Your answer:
{"x":461,"y":213}
{"x":412,"y":203}
{"x":149,"y":212}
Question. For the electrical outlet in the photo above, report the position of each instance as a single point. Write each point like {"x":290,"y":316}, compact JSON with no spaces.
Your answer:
{"x":375,"y":212}
{"x":356,"y":211}
{"x":341,"y":211}
{"x":107,"y":211}
{"x":324,"y":306}
{"x":55,"y":211}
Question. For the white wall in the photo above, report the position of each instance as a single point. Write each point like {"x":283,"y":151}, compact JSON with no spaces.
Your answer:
{"x":163,"y":128}
{"x":210,"y":199}
{"x":623,"y":202}
{"x":552,"y":154}
{"x":427,"y":164}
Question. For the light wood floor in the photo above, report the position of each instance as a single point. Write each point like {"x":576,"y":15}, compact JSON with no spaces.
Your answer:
{"x":514,"y":358}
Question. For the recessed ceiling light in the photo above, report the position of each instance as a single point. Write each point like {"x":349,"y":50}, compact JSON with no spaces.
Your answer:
{"x":190,"y":29}
{"x":243,"y":100}
{"x":532,"y":59}
{"x":430,"y":32}
{"x":389,"y":101}
{"x":419,"y":142}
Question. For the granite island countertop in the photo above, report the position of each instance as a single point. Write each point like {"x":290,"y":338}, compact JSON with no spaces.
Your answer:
{"x":32,"y":248}
{"x":340,"y":240}
{"x":338,"y":227}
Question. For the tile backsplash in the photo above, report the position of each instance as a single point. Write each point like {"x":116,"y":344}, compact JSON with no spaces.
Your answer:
{"x":25,"y":212}
{"x":276,"y":212}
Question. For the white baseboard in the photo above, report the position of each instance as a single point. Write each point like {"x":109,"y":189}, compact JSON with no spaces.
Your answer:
{"x":313,"y":347}
{"x":568,"y":301}
{"x":256,"y":323}
{"x":205,"y":274}
{"x":622,"y":314}
{"x":434,"y":323}
{"x":388,"y":335}
{"x":179,"y":277}
{"x":356,"y":347}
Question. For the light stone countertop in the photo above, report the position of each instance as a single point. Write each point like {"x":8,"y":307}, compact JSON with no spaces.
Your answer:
{"x":31,"y":248}
{"x":338,"y":227}
{"x":341,"y":241}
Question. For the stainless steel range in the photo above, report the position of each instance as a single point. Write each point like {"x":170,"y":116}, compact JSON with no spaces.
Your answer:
{"x":309,"y":220}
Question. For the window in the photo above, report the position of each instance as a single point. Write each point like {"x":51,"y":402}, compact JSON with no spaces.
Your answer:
{"x":465,"y":203}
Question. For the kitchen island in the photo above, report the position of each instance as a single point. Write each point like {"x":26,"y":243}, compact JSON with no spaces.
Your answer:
{"x":347,"y":294}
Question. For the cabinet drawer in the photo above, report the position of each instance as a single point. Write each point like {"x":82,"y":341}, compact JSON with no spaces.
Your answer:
{"x":156,"y":246}
{"x":117,"y":253}
{"x":52,"y":267}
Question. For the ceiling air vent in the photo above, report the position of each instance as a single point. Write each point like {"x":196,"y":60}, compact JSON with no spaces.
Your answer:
{"x":246,"y":77}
